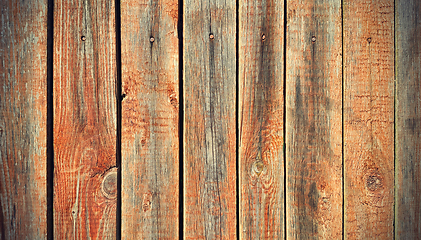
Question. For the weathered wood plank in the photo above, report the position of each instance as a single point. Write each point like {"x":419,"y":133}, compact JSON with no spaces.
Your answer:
{"x":209,"y":119}
{"x":23,"y":115}
{"x":368,"y":119}
{"x":408,"y":119}
{"x":314,"y":119}
{"x":261,"y":114}
{"x":150,"y":109}
{"x":85,"y":177}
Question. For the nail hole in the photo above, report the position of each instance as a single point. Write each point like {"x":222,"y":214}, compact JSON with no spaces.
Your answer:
{"x":151,"y":39}
{"x":123,"y":96}
{"x":369,"y":40}
{"x":83,"y":38}
{"x":313,"y":39}
{"x":211,"y":36}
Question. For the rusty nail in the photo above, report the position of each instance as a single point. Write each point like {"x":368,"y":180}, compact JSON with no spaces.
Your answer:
{"x":151,"y":39}
{"x":83,"y":38}
{"x":369,"y":40}
{"x":211,"y":36}
{"x":313,"y":39}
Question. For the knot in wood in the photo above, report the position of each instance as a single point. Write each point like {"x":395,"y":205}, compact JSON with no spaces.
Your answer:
{"x":373,"y":183}
{"x":109,"y":185}
{"x":373,"y":180}
{"x":258,"y":167}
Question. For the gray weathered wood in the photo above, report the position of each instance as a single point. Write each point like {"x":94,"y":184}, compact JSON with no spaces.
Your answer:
{"x":261,"y":117}
{"x":408,"y":119}
{"x":150,"y":109}
{"x":314,"y":119}
{"x":209,"y":119}
{"x":23,"y":108}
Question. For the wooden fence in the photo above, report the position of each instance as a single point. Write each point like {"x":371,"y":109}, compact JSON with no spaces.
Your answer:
{"x":219,"y":119}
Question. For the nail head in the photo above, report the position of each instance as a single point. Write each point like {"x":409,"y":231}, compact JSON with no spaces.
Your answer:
{"x":211,"y":36}
{"x":263,"y":37}
{"x":369,"y":40}
{"x":313,"y":39}
{"x":83,"y":38}
{"x":151,"y":39}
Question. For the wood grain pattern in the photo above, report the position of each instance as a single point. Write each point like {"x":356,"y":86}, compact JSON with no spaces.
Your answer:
{"x":209,"y":119}
{"x":368,"y":119}
{"x":150,"y":109}
{"x":408,"y":119}
{"x":314,"y":120}
{"x":261,"y":113}
{"x":23,"y":113}
{"x":85,"y":176}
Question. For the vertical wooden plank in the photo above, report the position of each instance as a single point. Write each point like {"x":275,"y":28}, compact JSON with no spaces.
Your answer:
{"x":408,"y":119}
{"x":261,"y":119}
{"x":368,"y":119}
{"x":150,"y":151}
{"x":85,"y":176}
{"x":209,"y":119}
{"x":23,"y":114}
{"x":314,"y":119}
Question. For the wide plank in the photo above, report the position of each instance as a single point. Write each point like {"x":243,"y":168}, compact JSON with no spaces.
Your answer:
{"x":23,"y":119}
{"x":85,"y":173}
{"x":209,"y":83}
{"x":368,"y":119}
{"x":314,"y":119}
{"x":408,"y":119}
{"x":261,"y":119}
{"x":150,"y":119}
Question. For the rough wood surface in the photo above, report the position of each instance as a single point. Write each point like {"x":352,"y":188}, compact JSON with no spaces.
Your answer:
{"x":408,"y":119}
{"x":261,"y":114}
{"x":23,"y":109}
{"x":150,"y":109}
{"x":209,"y":119}
{"x":85,"y":177}
{"x":368,"y":119}
{"x":314,"y":120}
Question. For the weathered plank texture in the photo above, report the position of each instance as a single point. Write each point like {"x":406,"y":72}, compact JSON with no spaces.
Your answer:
{"x":209,"y":119}
{"x":85,"y":177}
{"x":314,"y":119}
{"x":23,"y":112}
{"x":150,"y":151}
{"x":261,"y":113}
{"x":368,"y":119}
{"x":408,"y":119}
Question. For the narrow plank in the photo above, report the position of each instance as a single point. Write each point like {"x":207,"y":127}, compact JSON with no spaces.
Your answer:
{"x":408,"y":119}
{"x":209,"y":119}
{"x":368,"y":119}
{"x":85,"y":176}
{"x":23,"y":119}
{"x":150,"y":109}
{"x":261,"y":114}
{"x":314,"y":119}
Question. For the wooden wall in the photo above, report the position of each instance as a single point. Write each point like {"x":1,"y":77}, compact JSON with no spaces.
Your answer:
{"x":254,"y":119}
